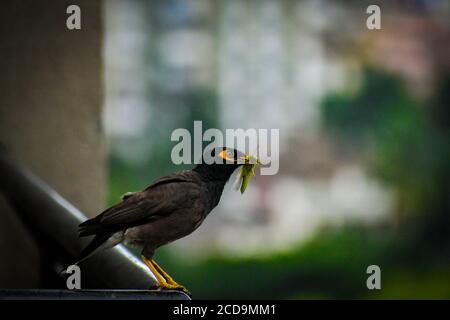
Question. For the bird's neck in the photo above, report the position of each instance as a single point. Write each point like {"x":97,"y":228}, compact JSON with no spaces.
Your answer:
{"x":215,"y":176}
{"x":215,"y":192}
{"x":215,"y":172}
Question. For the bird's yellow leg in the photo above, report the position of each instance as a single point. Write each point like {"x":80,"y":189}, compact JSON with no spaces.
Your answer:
{"x":164,"y":280}
{"x":164,"y":274}
{"x":169,"y":279}
{"x":161,"y":280}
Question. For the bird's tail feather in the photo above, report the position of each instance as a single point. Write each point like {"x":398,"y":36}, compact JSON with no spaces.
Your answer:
{"x":89,"y":228}
{"x":95,"y":245}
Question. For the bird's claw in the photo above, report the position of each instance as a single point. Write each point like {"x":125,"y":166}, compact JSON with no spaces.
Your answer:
{"x":177,"y":287}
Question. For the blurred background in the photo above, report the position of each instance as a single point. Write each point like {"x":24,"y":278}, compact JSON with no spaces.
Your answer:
{"x":364,"y":126}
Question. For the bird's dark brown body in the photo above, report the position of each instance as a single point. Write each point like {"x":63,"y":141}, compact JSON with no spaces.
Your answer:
{"x":190,"y":202}
{"x":169,"y":209}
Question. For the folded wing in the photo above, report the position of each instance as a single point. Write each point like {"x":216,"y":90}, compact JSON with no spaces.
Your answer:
{"x":158,"y":200}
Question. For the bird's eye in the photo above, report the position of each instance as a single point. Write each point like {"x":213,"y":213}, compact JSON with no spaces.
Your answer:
{"x":230,"y":154}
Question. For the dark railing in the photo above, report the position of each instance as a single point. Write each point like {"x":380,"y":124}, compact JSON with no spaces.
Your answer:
{"x":53,"y":223}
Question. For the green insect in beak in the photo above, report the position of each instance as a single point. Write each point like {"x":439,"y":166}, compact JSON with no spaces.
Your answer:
{"x":246,"y":172}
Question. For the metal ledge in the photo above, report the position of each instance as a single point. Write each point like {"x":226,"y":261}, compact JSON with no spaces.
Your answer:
{"x":89,"y":295}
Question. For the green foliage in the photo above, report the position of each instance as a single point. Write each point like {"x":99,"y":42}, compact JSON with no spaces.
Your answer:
{"x":331,"y":265}
{"x":403,"y":147}
{"x":409,"y":283}
{"x":358,"y":117}
{"x":408,"y":147}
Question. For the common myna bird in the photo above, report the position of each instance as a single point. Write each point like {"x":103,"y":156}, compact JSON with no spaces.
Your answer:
{"x":169,"y":209}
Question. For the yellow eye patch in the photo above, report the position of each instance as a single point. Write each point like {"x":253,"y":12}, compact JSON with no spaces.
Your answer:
{"x":226,"y":155}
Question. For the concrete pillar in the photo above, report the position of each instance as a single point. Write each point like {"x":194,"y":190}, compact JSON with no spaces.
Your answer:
{"x":51,"y":95}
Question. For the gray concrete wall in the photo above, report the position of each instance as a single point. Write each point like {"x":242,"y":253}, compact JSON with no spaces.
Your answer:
{"x":51,"y":94}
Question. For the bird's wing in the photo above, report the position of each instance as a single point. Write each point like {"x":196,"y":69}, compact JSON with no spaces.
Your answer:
{"x":161,"y":198}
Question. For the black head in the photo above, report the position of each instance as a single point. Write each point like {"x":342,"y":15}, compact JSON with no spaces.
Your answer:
{"x":220,"y":163}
